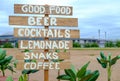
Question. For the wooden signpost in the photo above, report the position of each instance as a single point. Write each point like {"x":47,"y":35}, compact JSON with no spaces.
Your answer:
{"x":42,"y":55}
{"x":42,"y":21}
{"x":44,"y":44}
{"x":43,"y":59}
{"x":42,"y":33}
{"x":43,"y":66}
{"x":42,"y":9}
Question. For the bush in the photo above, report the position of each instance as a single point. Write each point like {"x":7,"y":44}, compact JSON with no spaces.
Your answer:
{"x":94,"y":44}
{"x":118,"y":43}
{"x":109,"y":44}
{"x":107,"y":62}
{"x":87,"y":45}
{"x":7,"y":45}
{"x":1,"y":46}
{"x":16,"y":45}
{"x":81,"y":74}
{"x":76,"y":44}
{"x":6,"y":62}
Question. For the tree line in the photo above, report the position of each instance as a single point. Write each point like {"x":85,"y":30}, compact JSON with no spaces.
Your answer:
{"x":94,"y":44}
{"x":109,"y":44}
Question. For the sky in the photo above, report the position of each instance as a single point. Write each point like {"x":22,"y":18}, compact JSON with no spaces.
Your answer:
{"x":93,"y":15}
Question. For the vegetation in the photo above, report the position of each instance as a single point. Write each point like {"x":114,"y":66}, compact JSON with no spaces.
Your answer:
{"x":87,"y":45}
{"x":9,"y":78}
{"x":16,"y":45}
{"x":7,"y":45}
{"x":21,"y":78}
{"x":94,"y":44}
{"x":107,"y":62}
{"x":0,"y":46}
{"x":109,"y":44}
{"x":81,"y":75}
{"x":90,"y":45}
{"x":6,"y":62}
{"x":118,"y":43}
{"x":96,"y":49}
{"x":25,"y":74}
{"x":76,"y":44}
{"x":72,"y":74}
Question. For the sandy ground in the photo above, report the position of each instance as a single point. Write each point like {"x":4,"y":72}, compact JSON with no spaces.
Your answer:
{"x":78,"y":58}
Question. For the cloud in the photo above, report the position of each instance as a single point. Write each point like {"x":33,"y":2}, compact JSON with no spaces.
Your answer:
{"x":92,"y":15}
{"x":49,"y":2}
{"x":104,"y":15}
{"x":95,"y":9}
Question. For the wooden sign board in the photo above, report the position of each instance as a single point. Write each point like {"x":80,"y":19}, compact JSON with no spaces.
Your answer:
{"x":42,"y":65}
{"x":42,"y":33}
{"x":43,"y":59}
{"x":42,"y":9}
{"x":42,"y":44}
{"x":42,"y":21}
{"x":43,"y":55}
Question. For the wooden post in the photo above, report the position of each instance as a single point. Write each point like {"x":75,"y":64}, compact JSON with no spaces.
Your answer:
{"x":58,"y":74}
{"x":46,"y":72}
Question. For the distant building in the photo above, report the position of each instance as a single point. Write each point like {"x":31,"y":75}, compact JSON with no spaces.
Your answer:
{"x":7,"y":38}
{"x":82,"y":41}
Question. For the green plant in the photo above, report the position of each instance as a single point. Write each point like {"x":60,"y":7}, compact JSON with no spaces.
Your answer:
{"x":76,"y":44}
{"x":107,"y":62}
{"x":94,"y":44}
{"x":7,"y":45}
{"x":9,"y":78}
{"x":21,"y":78}
{"x":6,"y":62}
{"x":65,"y":50}
{"x":109,"y":44}
{"x":118,"y":43}
{"x":87,"y":45}
{"x":27,"y":50}
{"x":16,"y":44}
{"x":81,"y":75}
{"x":26,"y":74}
